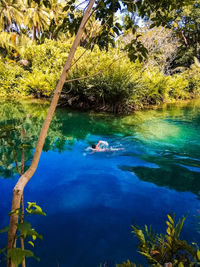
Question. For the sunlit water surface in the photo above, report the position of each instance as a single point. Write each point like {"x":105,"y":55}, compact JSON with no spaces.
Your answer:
{"x":91,"y":200}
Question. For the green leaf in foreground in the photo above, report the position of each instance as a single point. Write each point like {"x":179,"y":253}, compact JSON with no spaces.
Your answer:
{"x":24,"y":228}
{"x":17,"y":255}
{"x":33,"y":208}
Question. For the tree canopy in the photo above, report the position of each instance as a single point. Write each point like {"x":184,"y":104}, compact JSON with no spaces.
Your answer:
{"x":40,"y":19}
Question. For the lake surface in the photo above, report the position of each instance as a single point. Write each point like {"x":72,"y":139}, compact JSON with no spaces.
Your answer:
{"x":92,"y":199}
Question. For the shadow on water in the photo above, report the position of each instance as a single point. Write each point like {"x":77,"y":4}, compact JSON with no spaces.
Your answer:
{"x":170,"y":176}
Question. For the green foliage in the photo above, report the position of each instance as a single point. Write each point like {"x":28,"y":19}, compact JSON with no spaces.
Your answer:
{"x":33,"y":208}
{"x":10,"y":75}
{"x":46,"y":63}
{"x":35,"y":69}
{"x":4,"y":230}
{"x":128,"y":264}
{"x":50,"y":19}
{"x":151,"y":88}
{"x":186,"y":26}
{"x":24,"y":230}
{"x":193,"y":77}
{"x":178,"y":87}
{"x":169,"y":248}
{"x":112,"y":81}
{"x":113,"y":84}
{"x":165,"y":250}
{"x":17,"y":255}
{"x":38,"y":84}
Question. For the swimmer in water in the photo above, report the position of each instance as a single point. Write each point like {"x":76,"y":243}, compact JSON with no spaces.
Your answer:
{"x":101,"y":146}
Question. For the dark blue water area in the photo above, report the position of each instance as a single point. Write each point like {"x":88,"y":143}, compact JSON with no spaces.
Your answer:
{"x":91,"y":204}
{"x":92,"y":199}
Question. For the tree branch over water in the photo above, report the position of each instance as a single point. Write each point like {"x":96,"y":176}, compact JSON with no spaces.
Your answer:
{"x":23,"y":180}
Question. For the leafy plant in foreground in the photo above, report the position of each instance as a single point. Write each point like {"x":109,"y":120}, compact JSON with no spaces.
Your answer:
{"x":165,"y":250}
{"x":128,"y":264}
{"x":25,"y":231}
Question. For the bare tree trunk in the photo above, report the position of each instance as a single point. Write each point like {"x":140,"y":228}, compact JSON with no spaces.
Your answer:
{"x":33,"y":33}
{"x":23,"y":180}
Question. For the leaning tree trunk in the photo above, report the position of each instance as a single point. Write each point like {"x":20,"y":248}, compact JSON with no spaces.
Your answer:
{"x":23,"y":180}
{"x":21,"y":220}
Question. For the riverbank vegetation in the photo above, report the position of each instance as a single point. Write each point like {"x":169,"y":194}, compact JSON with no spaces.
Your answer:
{"x":103,"y":79}
{"x":113,"y":82}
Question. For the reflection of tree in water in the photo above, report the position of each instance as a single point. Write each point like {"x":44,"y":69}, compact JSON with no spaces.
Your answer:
{"x":28,"y":116}
{"x":17,"y":118}
{"x":13,"y":141}
{"x":7,"y":152}
{"x":68,"y":126}
{"x":168,"y":175}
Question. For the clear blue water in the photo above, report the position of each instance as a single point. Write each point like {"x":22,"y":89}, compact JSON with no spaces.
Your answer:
{"x":91,"y":200}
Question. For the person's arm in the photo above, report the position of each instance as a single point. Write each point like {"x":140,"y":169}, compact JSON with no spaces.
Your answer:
{"x":97,"y":146}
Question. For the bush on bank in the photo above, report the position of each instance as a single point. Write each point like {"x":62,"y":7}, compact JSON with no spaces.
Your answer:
{"x":113,"y":82}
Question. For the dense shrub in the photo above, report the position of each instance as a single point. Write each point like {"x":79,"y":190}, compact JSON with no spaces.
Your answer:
{"x":151,"y":87}
{"x":113,"y":82}
{"x":193,"y":77}
{"x":178,"y":87}
{"x":46,"y":63}
{"x":10,"y":78}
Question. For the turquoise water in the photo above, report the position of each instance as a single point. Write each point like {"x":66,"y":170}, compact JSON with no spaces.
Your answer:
{"x":91,"y":200}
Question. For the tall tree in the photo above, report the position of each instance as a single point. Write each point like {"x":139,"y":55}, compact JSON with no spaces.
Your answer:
{"x":10,"y":12}
{"x":56,"y":15}
{"x":18,"y":190}
{"x":36,"y":18}
{"x":186,"y":25}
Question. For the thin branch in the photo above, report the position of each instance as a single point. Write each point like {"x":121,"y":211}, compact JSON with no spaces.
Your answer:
{"x":81,"y":4}
{"x":91,"y":42}
{"x":184,"y":38}
{"x":95,"y":74}
{"x":153,"y":9}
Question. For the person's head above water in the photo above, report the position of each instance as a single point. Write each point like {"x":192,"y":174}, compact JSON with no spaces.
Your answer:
{"x":93,"y":146}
